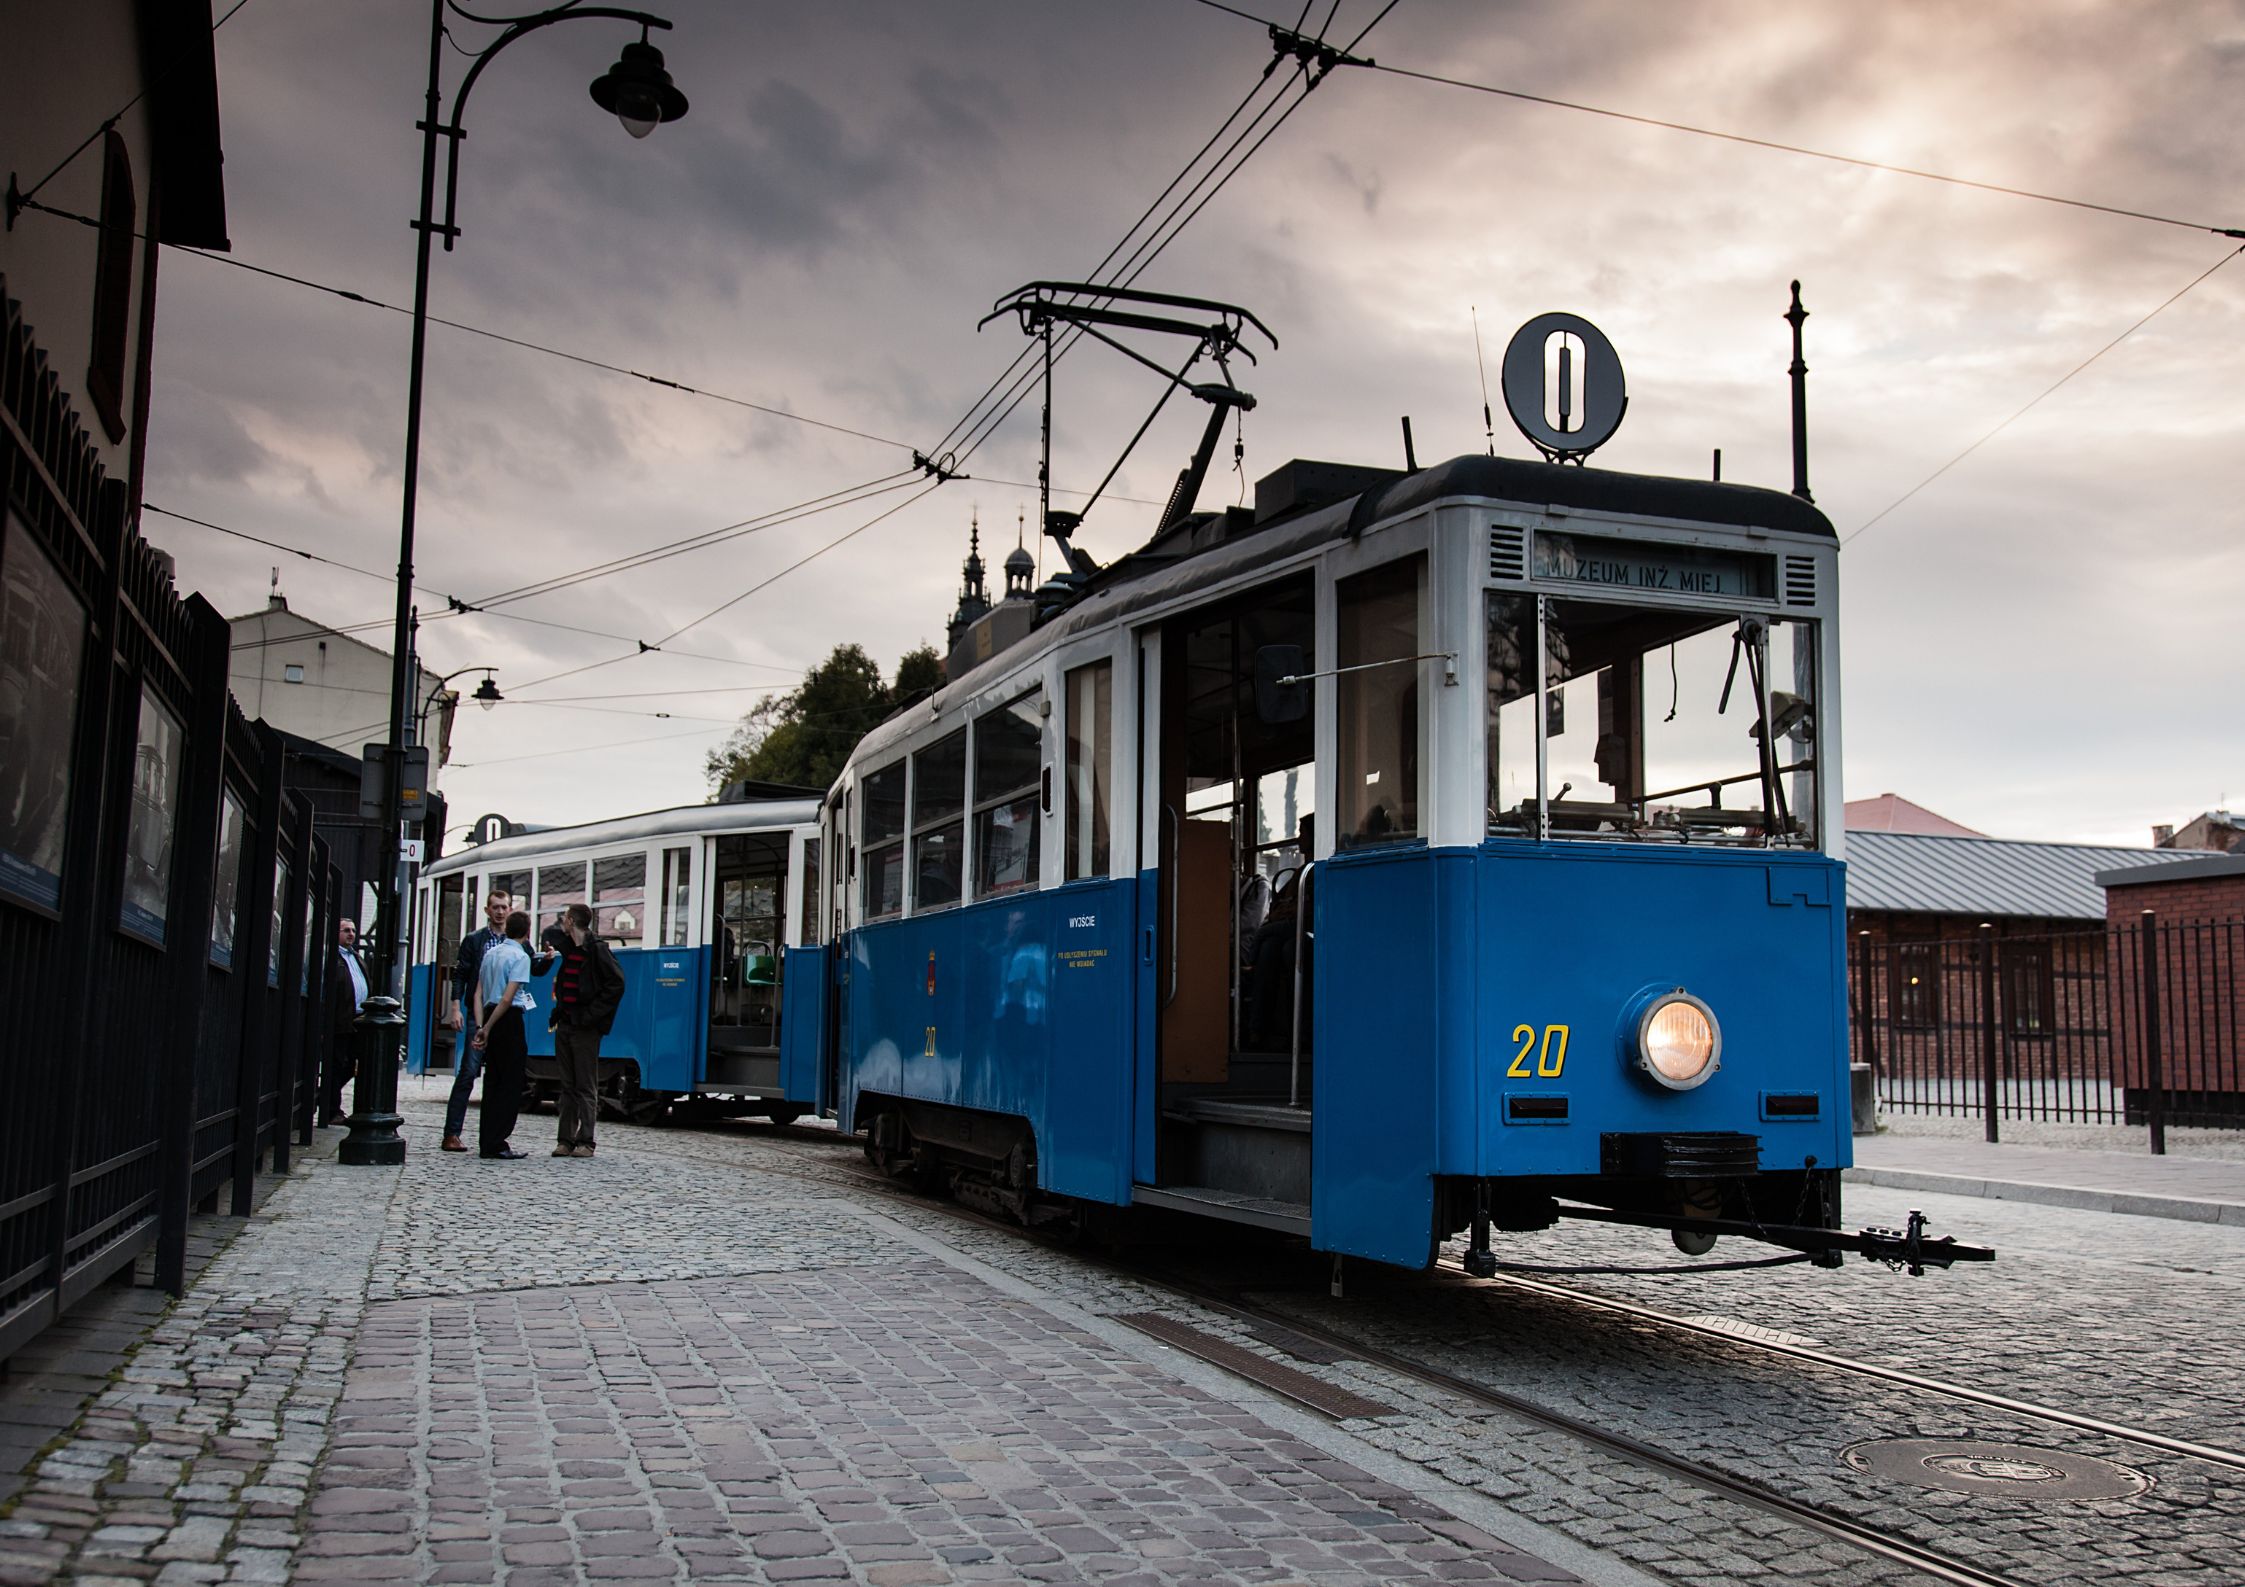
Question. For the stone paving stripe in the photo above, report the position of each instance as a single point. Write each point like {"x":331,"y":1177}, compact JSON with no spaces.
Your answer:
{"x":1276,"y":1376}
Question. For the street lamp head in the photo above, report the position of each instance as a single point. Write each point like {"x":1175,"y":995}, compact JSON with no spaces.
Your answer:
{"x":487,"y":693}
{"x":637,"y":91}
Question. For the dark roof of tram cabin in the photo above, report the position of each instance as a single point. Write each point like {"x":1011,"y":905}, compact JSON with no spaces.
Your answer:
{"x":1594,"y":489}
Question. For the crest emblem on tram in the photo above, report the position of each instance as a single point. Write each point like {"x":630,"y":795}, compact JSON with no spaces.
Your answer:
{"x":1563,"y":386}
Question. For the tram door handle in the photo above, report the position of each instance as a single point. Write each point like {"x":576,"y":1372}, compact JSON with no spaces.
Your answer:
{"x":1176,"y":826}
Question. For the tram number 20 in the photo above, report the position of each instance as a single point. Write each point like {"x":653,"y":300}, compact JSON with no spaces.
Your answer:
{"x":1550,"y":1058}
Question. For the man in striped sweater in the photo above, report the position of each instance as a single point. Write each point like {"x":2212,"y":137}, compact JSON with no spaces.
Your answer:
{"x":588,"y":987}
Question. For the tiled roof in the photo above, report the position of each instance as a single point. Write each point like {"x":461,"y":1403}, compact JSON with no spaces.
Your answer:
{"x":1890,"y":812}
{"x":1920,"y":874}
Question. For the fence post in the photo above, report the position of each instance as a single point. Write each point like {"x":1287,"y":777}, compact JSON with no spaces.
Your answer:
{"x":253,"y":937}
{"x":2155,"y":1080}
{"x":195,"y":856}
{"x":1988,"y":1082}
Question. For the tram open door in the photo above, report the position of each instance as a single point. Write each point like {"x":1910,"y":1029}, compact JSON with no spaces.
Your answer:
{"x":748,"y":909}
{"x":1227,"y":804}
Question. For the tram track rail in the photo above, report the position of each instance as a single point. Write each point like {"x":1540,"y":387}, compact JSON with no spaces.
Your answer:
{"x":2141,"y":1437}
{"x":1871,"y":1540}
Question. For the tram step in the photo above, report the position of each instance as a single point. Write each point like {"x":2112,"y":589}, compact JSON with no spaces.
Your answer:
{"x":1290,"y":1217}
{"x":1255,"y":1115}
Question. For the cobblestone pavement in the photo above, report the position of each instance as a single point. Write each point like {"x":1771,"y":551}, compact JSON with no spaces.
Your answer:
{"x":2128,"y":1318}
{"x":196,"y":1463}
{"x":704,"y":1355}
{"x":471,"y":1371}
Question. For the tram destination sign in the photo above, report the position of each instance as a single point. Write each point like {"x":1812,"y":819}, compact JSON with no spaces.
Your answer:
{"x":1648,"y":566}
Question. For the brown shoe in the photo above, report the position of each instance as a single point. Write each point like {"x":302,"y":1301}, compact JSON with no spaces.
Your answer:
{"x":453,"y":1143}
{"x":581,"y":1151}
{"x":565,"y":1150}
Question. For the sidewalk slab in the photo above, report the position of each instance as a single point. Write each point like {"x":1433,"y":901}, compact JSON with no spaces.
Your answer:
{"x":2194,"y":1190}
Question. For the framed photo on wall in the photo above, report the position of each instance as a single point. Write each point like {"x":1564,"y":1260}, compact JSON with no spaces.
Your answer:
{"x":144,"y":900}
{"x":42,"y":646}
{"x":226,"y":886}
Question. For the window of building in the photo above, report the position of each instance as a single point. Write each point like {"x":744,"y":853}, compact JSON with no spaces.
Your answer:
{"x":1379,"y":705}
{"x":939,"y":806}
{"x":883,"y":867}
{"x":1008,"y":762}
{"x":113,"y":286}
{"x":293,"y":672}
{"x":559,"y":886}
{"x":619,"y":898}
{"x":1915,"y":996}
{"x":1090,"y":770}
{"x":2029,"y":988}
{"x":678,"y":884}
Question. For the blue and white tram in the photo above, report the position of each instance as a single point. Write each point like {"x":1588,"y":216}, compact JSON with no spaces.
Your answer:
{"x":1410,"y":853}
{"x":699,"y":903}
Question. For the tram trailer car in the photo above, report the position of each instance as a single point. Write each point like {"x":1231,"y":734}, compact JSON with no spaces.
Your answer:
{"x":1408,"y":854}
{"x":699,"y":904}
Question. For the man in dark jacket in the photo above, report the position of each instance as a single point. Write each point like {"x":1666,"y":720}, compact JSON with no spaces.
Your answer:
{"x":588,"y":986}
{"x":346,"y":992}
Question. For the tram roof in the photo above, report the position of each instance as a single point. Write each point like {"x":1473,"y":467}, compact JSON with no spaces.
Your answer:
{"x":679,"y":821}
{"x":1594,"y":489}
{"x":1212,"y":547}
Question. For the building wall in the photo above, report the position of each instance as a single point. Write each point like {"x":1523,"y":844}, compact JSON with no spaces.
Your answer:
{"x":343,"y":698}
{"x":70,"y":64}
{"x":2200,"y":927}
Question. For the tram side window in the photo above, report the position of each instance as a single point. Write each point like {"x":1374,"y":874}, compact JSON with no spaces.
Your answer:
{"x":515,"y":884}
{"x":1008,"y":755}
{"x":1379,"y":707}
{"x":559,"y":886}
{"x":678,"y":885}
{"x":939,"y":832}
{"x":810,"y":935}
{"x":452,"y":919}
{"x":883,"y":847}
{"x":1090,"y":768}
{"x":619,"y":898}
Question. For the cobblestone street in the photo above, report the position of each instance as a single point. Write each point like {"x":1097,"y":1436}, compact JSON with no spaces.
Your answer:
{"x":711,"y":1355}
{"x":654,"y":1366}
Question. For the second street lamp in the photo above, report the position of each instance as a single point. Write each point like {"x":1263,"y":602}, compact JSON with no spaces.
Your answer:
{"x":638,"y":91}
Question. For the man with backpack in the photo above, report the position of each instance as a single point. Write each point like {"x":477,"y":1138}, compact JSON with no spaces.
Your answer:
{"x":588,"y":987}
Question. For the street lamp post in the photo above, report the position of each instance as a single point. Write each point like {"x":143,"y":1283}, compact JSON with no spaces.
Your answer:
{"x":638,"y":91}
{"x":486,"y":695}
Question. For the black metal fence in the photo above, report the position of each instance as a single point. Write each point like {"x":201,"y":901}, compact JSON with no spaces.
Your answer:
{"x":2135,"y":1023}
{"x":165,"y":905}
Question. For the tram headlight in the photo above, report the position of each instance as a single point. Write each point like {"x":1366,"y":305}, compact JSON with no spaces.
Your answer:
{"x":1678,"y":1042}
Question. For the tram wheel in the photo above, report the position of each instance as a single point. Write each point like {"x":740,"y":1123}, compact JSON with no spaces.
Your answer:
{"x":785,"y":1115}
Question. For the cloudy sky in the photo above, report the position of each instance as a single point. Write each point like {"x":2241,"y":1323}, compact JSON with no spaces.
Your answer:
{"x":2043,"y":642}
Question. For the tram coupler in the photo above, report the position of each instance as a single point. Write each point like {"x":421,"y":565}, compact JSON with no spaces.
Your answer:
{"x":1906,"y":1249}
{"x":1480,"y":1261}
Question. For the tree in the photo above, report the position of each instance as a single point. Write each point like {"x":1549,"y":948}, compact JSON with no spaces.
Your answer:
{"x":918,"y":675}
{"x":802,"y":737}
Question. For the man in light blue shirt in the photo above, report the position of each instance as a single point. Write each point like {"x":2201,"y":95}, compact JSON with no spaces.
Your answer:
{"x":502,"y":999}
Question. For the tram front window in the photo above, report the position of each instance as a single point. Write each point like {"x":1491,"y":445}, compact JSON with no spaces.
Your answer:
{"x":1653,"y":724}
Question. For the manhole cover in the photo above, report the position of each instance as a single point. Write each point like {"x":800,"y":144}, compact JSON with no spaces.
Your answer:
{"x":2016,"y":1471}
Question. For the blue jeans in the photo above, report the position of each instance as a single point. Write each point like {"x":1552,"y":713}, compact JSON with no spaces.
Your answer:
{"x":465,"y":1070}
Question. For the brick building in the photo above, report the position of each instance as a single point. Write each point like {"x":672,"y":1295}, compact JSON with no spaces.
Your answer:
{"x":2195,"y":954}
{"x":1963,"y":946}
